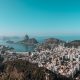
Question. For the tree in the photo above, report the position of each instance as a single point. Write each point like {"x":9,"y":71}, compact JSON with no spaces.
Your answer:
{"x":1,"y":59}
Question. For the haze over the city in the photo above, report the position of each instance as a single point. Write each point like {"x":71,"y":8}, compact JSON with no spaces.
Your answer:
{"x":39,"y":17}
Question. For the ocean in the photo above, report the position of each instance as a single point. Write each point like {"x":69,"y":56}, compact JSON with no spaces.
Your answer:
{"x":65,"y":38}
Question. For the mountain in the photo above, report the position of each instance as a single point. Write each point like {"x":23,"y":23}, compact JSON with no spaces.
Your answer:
{"x":29,"y":41}
{"x":50,"y":43}
{"x":23,"y":70}
{"x":75,"y":43}
{"x":53,"y":41}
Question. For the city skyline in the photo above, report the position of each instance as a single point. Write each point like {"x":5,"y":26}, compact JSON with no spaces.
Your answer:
{"x":39,"y":17}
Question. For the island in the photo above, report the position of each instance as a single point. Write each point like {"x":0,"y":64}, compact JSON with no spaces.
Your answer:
{"x":10,"y":42}
{"x":28,"y":41}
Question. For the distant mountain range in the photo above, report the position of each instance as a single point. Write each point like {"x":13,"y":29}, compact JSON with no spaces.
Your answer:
{"x":45,"y":40}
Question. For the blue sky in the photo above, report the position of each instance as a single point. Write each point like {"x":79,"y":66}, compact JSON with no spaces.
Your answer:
{"x":40,"y":17}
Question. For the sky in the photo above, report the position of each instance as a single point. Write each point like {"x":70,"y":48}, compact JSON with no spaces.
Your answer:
{"x":39,"y":17}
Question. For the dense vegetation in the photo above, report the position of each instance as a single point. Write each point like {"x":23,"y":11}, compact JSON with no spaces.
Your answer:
{"x":23,"y":70}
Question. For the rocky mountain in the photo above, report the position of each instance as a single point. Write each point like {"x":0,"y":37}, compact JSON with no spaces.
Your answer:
{"x":74,"y":43}
{"x":53,"y":41}
{"x":29,"y":41}
{"x":50,"y":43}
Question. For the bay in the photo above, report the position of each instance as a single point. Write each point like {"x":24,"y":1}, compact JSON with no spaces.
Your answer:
{"x":26,"y":48}
{"x":18,"y":47}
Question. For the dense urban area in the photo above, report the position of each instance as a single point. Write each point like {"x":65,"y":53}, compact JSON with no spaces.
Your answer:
{"x":52,"y":59}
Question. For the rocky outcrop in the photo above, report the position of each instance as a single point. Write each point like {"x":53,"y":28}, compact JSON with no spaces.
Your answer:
{"x":26,"y":37}
{"x":32,"y":41}
{"x":50,"y":43}
{"x":29,"y":41}
{"x":53,"y":41}
{"x":74,"y":43}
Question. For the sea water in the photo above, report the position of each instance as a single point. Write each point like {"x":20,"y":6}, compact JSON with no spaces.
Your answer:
{"x":23,"y":48}
{"x":18,"y":47}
